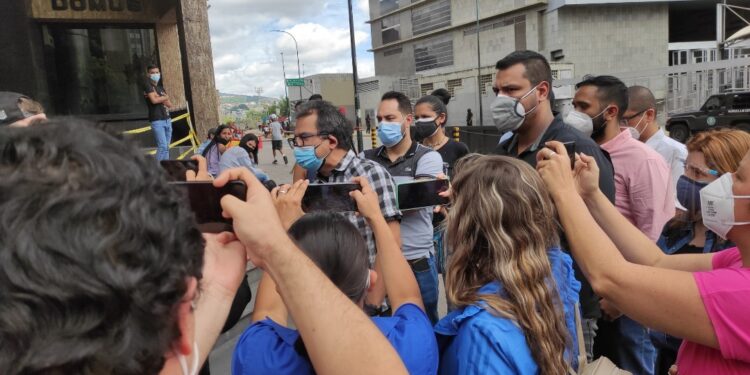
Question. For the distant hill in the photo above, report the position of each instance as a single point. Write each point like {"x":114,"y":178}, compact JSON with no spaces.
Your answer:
{"x":239,"y":98}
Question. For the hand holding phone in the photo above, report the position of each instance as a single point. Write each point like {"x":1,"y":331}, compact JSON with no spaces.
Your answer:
{"x":422,"y":193}
{"x":177,"y":169}
{"x":570,"y":148}
{"x":330,"y":197}
{"x":205,"y":202}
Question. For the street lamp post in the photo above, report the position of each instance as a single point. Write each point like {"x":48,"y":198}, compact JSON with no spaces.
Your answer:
{"x":296,"y":47}
{"x":355,"y":78}
{"x":286,"y":93}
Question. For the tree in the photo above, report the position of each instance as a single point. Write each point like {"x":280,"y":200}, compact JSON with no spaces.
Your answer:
{"x":284,"y":107}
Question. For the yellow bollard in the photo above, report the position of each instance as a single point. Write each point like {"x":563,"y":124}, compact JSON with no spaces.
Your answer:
{"x":374,"y":137}
{"x":456,"y":134}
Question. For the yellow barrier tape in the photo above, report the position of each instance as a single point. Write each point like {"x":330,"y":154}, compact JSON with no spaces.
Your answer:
{"x":192,"y":136}
{"x":191,"y":150}
{"x":147,"y":128}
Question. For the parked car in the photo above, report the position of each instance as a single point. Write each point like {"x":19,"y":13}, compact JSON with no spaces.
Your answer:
{"x":723,"y":110}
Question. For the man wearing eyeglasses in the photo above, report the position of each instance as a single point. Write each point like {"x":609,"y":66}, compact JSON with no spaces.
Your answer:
{"x":641,"y":118}
{"x":323,"y":147}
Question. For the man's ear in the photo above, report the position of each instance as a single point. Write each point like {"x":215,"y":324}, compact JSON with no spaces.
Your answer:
{"x":333,"y":141}
{"x":543,"y":89}
{"x":650,"y":115}
{"x":409,"y":120}
{"x":373,"y":280}
{"x":186,"y":319}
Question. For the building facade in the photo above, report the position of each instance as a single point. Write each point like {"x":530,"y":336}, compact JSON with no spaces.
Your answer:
{"x":88,"y":58}
{"x":334,"y":87}
{"x":435,"y":42}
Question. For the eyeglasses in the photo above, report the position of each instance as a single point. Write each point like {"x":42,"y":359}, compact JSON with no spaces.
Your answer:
{"x":299,"y":140}
{"x":635,"y":115}
{"x":699,"y":171}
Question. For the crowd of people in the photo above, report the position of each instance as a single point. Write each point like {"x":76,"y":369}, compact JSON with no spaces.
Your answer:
{"x":582,"y":236}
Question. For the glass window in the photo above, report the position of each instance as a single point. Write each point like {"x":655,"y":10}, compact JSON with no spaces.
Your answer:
{"x":95,"y":70}
{"x":713,"y":103}
{"x":431,"y":17}
{"x":741,"y":101}
{"x":388,"y":6}
{"x":434,"y":53}
{"x":390,"y":29}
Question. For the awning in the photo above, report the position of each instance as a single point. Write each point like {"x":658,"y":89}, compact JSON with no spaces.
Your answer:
{"x":742,"y":34}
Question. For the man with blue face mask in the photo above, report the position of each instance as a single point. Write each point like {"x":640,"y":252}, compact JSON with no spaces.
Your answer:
{"x":323,"y":147}
{"x":523,"y":85}
{"x":406,"y":161}
{"x":158,"y":112}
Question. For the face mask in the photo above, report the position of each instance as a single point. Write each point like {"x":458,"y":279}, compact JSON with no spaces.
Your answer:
{"x":155,"y":77}
{"x":390,"y":133}
{"x":583,"y":123}
{"x":717,"y":205}
{"x":193,"y":366}
{"x":508,"y":113}
{"x":425,"y":128}
{"x":635,"y":130}
{"x":306,"y":157}
{"x":688,"y":193}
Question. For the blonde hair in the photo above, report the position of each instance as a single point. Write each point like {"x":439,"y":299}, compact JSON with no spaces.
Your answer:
{"x":500,"y":227}
{"x":723,"y":149}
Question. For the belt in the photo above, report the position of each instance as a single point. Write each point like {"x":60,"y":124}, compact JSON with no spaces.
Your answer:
{"x":419,"y":265}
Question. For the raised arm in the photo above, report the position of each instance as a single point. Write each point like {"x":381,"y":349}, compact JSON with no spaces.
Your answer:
{"x":340,"y":341}
{"x":662,"y":299}
{"x":400,"y":284}
{"x":154,"y":98}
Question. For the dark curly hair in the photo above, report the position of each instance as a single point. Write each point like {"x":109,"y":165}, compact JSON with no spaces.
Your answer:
{"x":95,"y":253}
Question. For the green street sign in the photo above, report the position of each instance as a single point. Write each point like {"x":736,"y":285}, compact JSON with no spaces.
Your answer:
{"x":294,"y":82}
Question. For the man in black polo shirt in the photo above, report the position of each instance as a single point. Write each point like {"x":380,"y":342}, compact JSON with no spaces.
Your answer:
{"x":158,"y":112}
{"x":523,"y":85}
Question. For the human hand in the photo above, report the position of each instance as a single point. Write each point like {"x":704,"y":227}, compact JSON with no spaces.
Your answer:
{"x":224,"y":262}
{"x":255,"y":220}
{"x":610,"y":311}
{"x":202,"y":174}
{"x":586,"y":175}
{"x":444,"y":194}
{"x":673,"y":370}
{"x":288,"y":201}
{"x":368,"y":203}
{"x":553,"y":165}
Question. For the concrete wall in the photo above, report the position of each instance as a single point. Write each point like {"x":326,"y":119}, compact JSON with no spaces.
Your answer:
{"x":609,"y":38}
{"x":199,"y":64}
{"x":168,"y":40}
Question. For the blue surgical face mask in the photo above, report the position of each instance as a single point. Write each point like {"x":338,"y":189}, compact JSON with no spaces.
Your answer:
{"x":689,"y":193}
{"x":306,"y":157}
{"x":155,"y":77}
{"x":390,"y":133}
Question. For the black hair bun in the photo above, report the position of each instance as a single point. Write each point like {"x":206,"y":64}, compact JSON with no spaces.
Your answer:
{"x":443,"y":94}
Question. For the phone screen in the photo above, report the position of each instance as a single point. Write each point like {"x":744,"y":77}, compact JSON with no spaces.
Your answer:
{"x":422,"y":193}
{"x":205,"y":202}
{"x":176,"y":168}
{"x":570,"y":147}
{"x":329,"y":197}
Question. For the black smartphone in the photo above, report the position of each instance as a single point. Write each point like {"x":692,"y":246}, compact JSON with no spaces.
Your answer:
{"x":205,"y":202}
{"x":570,"y":147}
{"x":330,"y":197}
{"x":176,"y":168}
{"x":421,"y":193}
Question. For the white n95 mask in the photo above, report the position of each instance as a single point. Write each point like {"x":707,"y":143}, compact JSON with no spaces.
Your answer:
{"x":717,"y":205}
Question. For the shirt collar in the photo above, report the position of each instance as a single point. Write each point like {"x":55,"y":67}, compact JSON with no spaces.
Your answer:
{"x":409,"y":153}
{"x":345,"y":161}
{"x":620,"y":140}
{"x":513,"y":144}
{"x":451,"y":323}
{"x":657,"y":137}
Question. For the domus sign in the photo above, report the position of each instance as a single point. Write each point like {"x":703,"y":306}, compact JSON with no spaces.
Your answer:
{"x":97,"y":5}
{"x":99,"y":10}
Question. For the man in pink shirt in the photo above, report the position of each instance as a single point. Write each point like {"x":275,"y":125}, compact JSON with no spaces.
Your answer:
{"x":642,"y":194}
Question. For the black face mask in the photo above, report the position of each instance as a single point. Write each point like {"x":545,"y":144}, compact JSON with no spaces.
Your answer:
{"x":222,"y":141}
{"x":423,"y":130}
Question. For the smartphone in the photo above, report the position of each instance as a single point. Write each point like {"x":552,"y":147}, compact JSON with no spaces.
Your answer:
{"x":330,"y":197}
{"x":421,"y":193}
{"x":205,"y":202}
{"x":176,"y":168}
{"x":570,"y":147}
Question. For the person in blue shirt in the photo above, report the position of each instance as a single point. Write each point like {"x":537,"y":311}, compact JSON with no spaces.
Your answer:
{"x":514,"y":289}
{"x":268,"y":346}
{"x":205,"y":143}
{"x":241,"y":156}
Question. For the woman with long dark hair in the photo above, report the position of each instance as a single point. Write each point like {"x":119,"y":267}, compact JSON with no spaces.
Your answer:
{"x":335,"y":245}
{"x":216,"y":148}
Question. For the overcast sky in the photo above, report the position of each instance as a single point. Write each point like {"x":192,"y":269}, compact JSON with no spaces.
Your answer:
{"x":247,"y":54}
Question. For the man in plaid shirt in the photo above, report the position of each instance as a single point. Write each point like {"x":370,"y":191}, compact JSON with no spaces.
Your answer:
{"x":323,"y":145}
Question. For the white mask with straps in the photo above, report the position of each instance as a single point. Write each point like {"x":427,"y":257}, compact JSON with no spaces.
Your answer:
{"x":717,"y":206}
{"x":193,"y":370}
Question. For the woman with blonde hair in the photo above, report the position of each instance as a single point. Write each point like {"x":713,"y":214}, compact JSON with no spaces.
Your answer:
{"x":514,"y":288}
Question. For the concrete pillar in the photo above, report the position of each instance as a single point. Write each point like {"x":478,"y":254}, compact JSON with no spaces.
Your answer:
{"x":171,"y":59}
{"x":195,"y":44}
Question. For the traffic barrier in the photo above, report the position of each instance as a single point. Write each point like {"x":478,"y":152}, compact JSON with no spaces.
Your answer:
{"x":456,"y":134}
{"x":374,"y":137}
{"x":192,"y":136}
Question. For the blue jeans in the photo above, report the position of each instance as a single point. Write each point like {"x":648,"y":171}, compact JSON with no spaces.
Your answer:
{"x":636,"y":351}
{"x":428,"y":287}
{"x":163,"y":134}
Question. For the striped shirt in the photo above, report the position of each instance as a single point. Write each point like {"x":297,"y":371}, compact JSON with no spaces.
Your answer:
{"x":381,"y":182}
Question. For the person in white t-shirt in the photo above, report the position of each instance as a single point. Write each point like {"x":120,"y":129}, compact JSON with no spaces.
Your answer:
{"x":641,"y":118}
